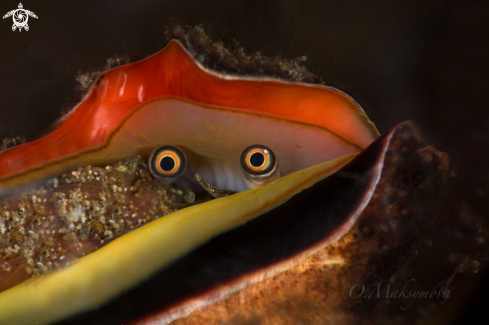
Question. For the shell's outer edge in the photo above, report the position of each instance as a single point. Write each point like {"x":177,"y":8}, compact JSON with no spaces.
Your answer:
{"x":290,"y":82}
{"x":232,"y":58}
{"x":92,"y":129}
{"x":208,"y":298}
{"x":79,"y":287}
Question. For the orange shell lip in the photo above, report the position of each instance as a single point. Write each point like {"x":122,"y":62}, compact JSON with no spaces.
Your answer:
{"x":173,"y":73}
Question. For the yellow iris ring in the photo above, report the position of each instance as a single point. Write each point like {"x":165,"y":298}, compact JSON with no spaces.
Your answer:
{"x":160,"y":158}
{"x":259,"y":168}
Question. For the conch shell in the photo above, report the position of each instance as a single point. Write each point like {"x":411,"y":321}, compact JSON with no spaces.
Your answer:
{"x":346,"y":212}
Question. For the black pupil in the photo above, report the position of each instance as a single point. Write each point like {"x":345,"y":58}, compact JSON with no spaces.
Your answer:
{"x":257,"y":159}
{"x":167,"y":164}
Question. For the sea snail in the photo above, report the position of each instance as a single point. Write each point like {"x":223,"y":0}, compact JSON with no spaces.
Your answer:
{"x":265,"y":138}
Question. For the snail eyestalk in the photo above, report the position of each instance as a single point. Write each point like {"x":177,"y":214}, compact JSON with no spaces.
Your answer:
{"x":259,"y":166}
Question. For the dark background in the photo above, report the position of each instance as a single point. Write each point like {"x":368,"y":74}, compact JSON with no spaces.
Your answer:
{"x":418,"y":60}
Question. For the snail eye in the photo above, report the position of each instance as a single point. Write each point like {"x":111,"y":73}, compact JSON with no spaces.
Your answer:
{"x":259,"y":166}
{"x":167,"y":162}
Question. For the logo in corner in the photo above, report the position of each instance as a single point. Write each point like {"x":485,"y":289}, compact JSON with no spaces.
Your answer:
{"x":20,"y":17}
